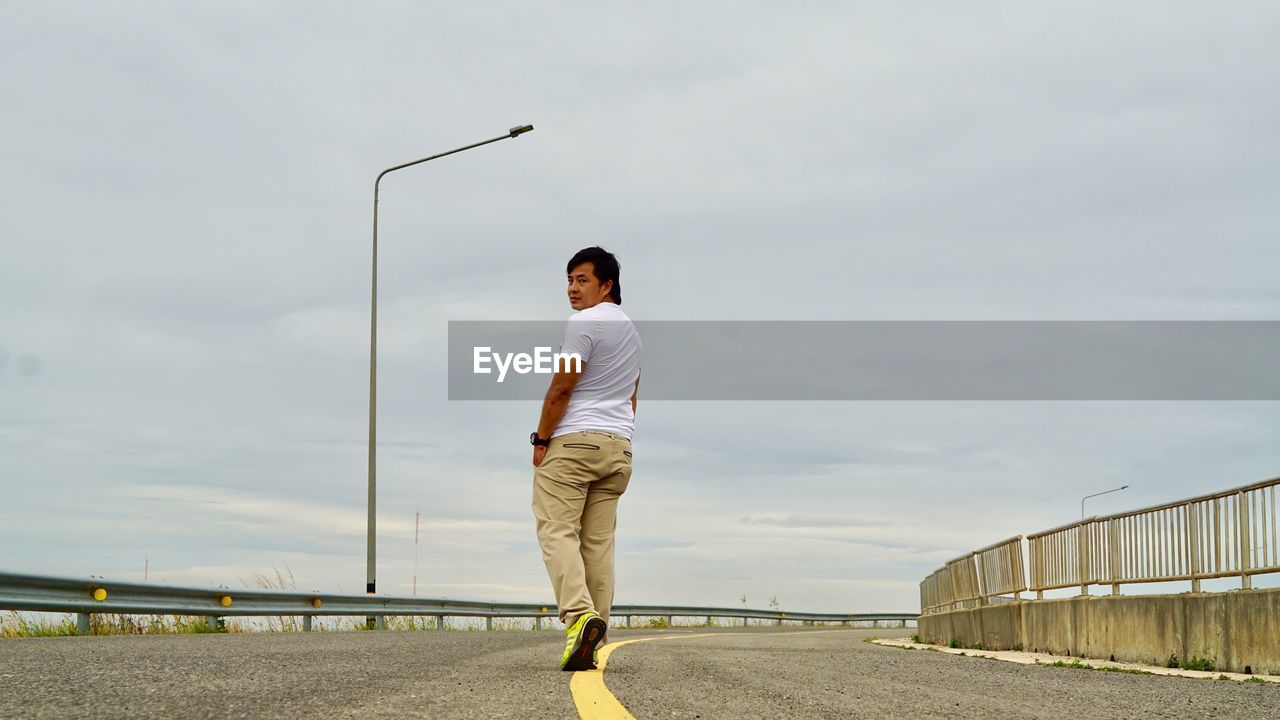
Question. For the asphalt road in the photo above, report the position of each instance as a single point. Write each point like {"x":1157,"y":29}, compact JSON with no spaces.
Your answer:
{"x":755,"y":673}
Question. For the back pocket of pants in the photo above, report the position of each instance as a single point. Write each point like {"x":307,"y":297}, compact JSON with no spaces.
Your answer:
{"x":581,"y":446}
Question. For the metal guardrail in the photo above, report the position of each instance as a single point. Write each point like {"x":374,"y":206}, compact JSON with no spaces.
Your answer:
{"x":1232,"y":533}
{"x":97,"y":595}
{"x":1000,"y":567}
{"x":1226,"y":534}
{"x":979,"y":578}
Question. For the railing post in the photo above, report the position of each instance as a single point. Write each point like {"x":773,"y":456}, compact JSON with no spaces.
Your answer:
{"x":1016,"y":576}
{"x":380,"y":623}
{"x":306,"y":623}
{"x":1037,"y":566}
{"x":628,"y":621}
{"x":1113,"y":554}
{"x":488,"y":623}
{"x":1082,"y":550}
{"x":83,"y":626}
{"x":440,"y":623}
{"x":708,"y":621}
{"x":1242,"y":518}
{"x":537,"y":622}
{"x":1193,"y":539}
{"x":212,"y":621}
{"x":980,"y":567}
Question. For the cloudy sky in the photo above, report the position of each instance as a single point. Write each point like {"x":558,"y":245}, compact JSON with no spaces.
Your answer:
{"x":185,"y":201}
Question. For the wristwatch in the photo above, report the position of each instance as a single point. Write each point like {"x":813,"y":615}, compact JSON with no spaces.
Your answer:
{"x":535,"y":440}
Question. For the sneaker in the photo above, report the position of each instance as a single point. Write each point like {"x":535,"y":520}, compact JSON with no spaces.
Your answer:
{"x":580,"y":647}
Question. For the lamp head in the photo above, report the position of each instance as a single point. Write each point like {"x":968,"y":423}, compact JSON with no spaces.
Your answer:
{"x":520,"y":129}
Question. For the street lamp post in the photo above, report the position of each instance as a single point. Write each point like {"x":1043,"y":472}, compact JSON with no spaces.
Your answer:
{"x":370,"y":558}
{"x":1104,"y":492}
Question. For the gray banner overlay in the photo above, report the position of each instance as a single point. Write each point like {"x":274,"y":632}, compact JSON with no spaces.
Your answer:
{"x":903,"y":360}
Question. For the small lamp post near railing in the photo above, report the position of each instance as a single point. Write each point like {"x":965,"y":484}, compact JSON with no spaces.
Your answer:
{"x":1104,"y":492}
{"x":371,"y":546}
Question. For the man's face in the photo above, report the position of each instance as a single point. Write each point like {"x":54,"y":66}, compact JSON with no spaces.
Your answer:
{"x":585,"y":290}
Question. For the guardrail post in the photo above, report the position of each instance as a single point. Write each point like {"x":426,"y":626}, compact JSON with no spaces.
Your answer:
{"x":306,"y":623}
{"x":380,"y":623}
{"x":440,"y":622}
{"x":628,"y":621}
{"x":83,"y":626}
{"x":1037,"y":566}
{"x":1242,"y":518}
{"x":708,"y":621}
{"x":488,"y":623}
{"x":1193,"y":539}
{"x":670,"y":621}
{"x":981,"y":576}
{"x":1082,"y":562}
{"x":537,"y":622}
{"x":212,"y":621}
{"x":1113,"y":554}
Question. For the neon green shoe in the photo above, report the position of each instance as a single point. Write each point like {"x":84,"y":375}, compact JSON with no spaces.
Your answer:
{"x":580,"y":645}
{"x":595,"y":655}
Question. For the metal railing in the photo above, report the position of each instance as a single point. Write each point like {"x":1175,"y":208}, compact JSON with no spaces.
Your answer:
{"x":1233,"y":533}
{"x":982,"y":577}
{"x":96,"y":595}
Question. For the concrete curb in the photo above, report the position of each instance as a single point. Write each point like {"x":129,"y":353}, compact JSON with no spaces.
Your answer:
{"x":1044,"y":659}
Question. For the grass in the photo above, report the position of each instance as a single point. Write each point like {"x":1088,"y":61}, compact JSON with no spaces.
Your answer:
{"x":955,"y":644}
{"x":12,"y":624}
{"x":1125,"y":670}
{"x":1193,"y":663}
{"x":15,"y":624}
{"x":927,"y":647}
{"x":1073,"y":664}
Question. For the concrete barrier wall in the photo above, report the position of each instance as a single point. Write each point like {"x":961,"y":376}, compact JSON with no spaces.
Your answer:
{"x":1238,"y":631}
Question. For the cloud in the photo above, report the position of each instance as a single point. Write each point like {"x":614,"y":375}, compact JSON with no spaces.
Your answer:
{"x":186,"y":197}
{"x":798,"y":521}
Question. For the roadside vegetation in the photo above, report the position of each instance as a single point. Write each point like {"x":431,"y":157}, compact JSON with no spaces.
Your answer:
{"x":1192,"y":663}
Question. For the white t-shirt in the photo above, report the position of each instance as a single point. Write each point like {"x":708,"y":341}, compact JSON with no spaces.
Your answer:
{"x":606,"y":340}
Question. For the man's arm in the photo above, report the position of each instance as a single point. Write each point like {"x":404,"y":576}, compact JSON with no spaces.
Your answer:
{"x":555,"y":403}
{"x":633,"y":396}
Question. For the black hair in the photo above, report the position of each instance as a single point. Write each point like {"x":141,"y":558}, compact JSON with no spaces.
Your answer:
{"x":603,"y":264}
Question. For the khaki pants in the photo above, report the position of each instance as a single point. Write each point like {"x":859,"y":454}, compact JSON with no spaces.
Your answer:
{"x":575,"y":502}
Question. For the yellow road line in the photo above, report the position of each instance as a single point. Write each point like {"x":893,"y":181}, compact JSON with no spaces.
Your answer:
{"x":592,"y":697}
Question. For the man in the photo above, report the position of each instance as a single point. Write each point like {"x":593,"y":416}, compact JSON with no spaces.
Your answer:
{"x":582,"y":452}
